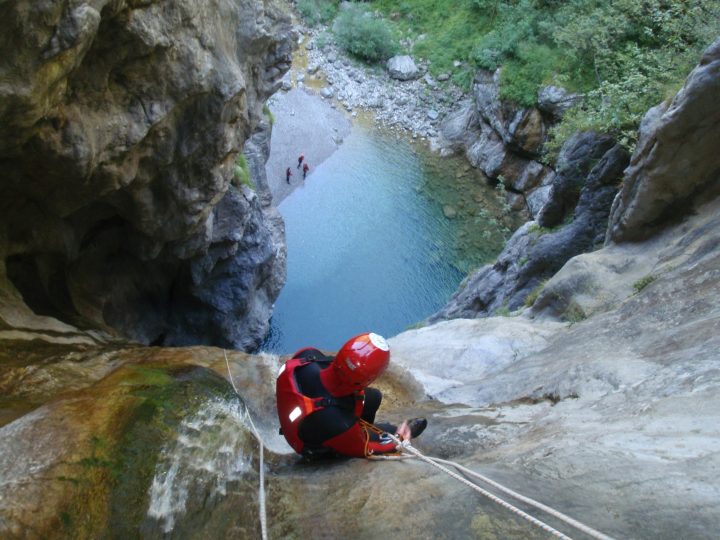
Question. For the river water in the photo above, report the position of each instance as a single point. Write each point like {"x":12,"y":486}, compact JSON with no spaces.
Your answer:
{"x":379,"y":236}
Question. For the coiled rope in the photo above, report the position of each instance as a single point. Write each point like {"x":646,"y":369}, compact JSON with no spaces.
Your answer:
{"x":407,"y":448}
{"x":261,"y":489}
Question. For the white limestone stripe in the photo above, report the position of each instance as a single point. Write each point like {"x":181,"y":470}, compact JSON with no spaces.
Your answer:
{"x":261,"y":489}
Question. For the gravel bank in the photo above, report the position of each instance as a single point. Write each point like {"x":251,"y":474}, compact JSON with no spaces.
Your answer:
{"x":304,"y":124}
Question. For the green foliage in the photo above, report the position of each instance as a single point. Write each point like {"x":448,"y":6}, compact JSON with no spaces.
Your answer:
{"x":624,"y":56}
{"x":322,"y":40}
{"x":267,"y":112}
{"x":573,"y":314}
{"x":536,"y":228}
{"x":242,"y":171}
{"x":316,"y":12}
{"x":532,"y":67}
{"x":363,"y":35}
{"x":641,"y":283}
{"x":530,"y":298}
{"x":65,"y":519}
{"x":502,"y":196}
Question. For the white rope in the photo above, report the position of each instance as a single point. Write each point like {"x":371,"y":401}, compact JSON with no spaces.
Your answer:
{"x":567,"y":519}
{"x":436,"y":462}
{"x":405,"y":446}
{"x":545,"y":527}
{"x":261,"y":489}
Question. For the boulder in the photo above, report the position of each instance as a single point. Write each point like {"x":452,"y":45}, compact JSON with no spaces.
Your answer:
{"x":402,"y":68}
{"x":522,"y":129}
{"x":429,"y":80}
{"x":460,"y":127}
{"x":526,"y":131}
{"x":555,"y":100}
{"x":489,"y":153}
{"x":533,"y":175}
{"x":489,"y":106}
{"x":676,"y":161}
{"x":327,"y":93}
{"x":536,"y":199}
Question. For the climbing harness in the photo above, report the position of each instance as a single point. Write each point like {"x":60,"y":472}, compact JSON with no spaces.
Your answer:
{"x":409,"y":451}
{"x":261,"y":489}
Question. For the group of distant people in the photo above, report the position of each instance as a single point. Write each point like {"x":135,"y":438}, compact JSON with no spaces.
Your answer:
{"x":301,"y":163}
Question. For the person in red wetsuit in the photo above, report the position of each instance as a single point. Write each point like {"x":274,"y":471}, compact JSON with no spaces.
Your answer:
{"x":306,"y":168}
{"x":325,"y":405}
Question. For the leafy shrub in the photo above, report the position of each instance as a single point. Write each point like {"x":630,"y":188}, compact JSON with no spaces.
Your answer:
{"x":521,"y":77}
{"x":242,"y":172}
{"x":363,"y":35}
{"x":634,"y":54}
{"x":270,"y":116}
{"x":316,"y":12}
{"x":573,"y":314}
{"x":530,"y":298}
{"x":624,"y":56}
{"x":323,"y":39}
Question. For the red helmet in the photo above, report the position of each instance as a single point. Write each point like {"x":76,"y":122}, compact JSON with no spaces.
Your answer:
{"x":358,"y":363}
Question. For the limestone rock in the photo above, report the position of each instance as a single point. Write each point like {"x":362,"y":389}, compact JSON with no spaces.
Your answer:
{"x":139,"y":119}
{"x":533,"y":175}
{"x":522,"y":129}
{"x":402,"y":68}
{"x":537,"y":198}
{"x":490,"y":154}
{"x":458,"y":128}
{"x":556,"y":100}
{"x":577,"y":156}
{"x":526,"y":131}
{"x":449,"y":212}
{"x":676,"y":159}
{"x":429,"y":80}
{"x":533,"y":254}
{"x":597,"y":282}
{"x":473,"y":350}
{"x":488,"y":103}
{"x":327,"y":93}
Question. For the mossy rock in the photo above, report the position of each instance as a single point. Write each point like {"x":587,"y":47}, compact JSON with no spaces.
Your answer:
{"x":90,"y":455}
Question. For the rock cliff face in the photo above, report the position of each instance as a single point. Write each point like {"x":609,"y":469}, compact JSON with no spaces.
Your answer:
{"x":572,"y":221}
{"x":612,"y":419}
{"x":676,"y":161}
{"x":120,"y":123}
{"x":570,"y":203}
{"x":505,"y":141}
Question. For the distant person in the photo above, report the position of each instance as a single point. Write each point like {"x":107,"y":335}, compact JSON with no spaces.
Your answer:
{"x":305,"y":170}
{"x":288,"y":174}
{"x":300,"y":160}
{"x":326,"y":407}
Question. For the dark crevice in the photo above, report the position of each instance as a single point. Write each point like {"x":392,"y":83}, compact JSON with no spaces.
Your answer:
{"x":42,"y":282}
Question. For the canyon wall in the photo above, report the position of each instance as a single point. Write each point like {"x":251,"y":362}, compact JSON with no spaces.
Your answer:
{"x":596,"y":192}
{"x":120,"y":125}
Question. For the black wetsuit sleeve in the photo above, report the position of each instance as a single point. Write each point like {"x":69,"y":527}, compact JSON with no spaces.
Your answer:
{"x":325,"y":424}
